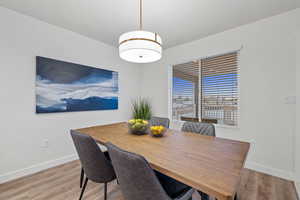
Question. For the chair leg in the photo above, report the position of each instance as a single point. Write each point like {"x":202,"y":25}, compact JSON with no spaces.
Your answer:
{"x":82,"y":190}
{"x":203,"y":195}
{"x":81,"y":177}
{"x":235,"y":197}
{"x":105,"y":191}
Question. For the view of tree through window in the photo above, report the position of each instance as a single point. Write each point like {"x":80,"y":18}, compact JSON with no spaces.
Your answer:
{"x":206,"y":90}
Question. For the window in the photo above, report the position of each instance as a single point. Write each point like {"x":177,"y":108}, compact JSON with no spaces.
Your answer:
{"x":207,"y":90}
{"x":185,"y":91}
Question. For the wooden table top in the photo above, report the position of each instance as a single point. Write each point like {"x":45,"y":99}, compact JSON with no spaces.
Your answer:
{"x":209,"y":164}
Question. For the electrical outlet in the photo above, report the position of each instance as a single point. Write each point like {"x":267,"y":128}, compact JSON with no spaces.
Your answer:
{"x":45,"y":143}
{"x":290,"y":100}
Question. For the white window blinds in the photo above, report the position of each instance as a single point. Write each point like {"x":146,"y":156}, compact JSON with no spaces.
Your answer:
{"x":219,"y":89}
{"x":207,"y":90}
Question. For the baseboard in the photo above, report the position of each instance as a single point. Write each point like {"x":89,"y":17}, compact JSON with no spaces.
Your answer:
{"x":46,"y":165}
{"x":36,"y":168}
{"x":271,"y":171}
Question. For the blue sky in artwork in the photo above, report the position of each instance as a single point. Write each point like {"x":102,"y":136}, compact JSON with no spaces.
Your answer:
{"x":62,"y":86}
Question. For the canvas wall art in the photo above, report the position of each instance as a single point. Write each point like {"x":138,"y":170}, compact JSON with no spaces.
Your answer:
{"x":66,"y":87}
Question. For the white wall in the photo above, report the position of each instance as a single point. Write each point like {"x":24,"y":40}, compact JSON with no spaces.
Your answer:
{"x":22,"y":131}
{"x":297,"y":133}
{"x":268,"y":68}
{"x":267,"y":73}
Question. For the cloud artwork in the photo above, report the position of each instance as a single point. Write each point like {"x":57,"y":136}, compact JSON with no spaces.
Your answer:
{"x":67,"y":87}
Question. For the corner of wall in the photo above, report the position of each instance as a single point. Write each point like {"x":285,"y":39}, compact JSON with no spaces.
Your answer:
{"x":297,"y":129}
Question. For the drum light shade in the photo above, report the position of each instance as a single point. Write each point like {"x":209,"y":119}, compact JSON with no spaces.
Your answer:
{"x":140,"y":46}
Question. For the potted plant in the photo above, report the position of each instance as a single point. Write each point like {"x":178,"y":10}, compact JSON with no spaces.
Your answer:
{"x":141,"y":113}
{"x":141,"y":109}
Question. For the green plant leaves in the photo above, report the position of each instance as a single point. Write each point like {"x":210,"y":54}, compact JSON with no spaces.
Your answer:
{"x":141,"y":109}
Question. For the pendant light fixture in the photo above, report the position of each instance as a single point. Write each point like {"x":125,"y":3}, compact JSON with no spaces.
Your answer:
{"x":140,"y":46}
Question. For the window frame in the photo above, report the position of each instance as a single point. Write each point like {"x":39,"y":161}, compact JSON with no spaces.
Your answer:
{"x":170,"y":88}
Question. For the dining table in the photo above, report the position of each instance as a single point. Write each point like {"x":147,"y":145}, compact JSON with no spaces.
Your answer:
{"x":208,"y":164}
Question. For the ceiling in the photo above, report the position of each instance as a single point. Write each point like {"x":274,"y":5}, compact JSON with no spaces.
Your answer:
{"x":177,"y":21}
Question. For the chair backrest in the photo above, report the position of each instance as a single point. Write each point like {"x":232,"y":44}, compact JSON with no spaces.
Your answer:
{"x":160,"y":121}
{"x":137,"y":179}
{"x":199,"y":127}
{"x":94,"y":163}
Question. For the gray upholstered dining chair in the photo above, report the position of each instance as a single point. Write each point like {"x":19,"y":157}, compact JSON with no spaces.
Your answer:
{"x":137,"y":179}
{"x":95,"y":164}
{"x":203,"y":129}
{"x":160,"y":121}
{"x":200,"y":128}
{"x":104,"y":150}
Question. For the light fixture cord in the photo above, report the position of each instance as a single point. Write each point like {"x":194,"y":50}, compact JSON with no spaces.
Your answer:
{"x":141,"y":15}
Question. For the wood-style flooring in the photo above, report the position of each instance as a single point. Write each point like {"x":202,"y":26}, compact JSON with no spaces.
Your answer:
{"x":62,"y":183}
